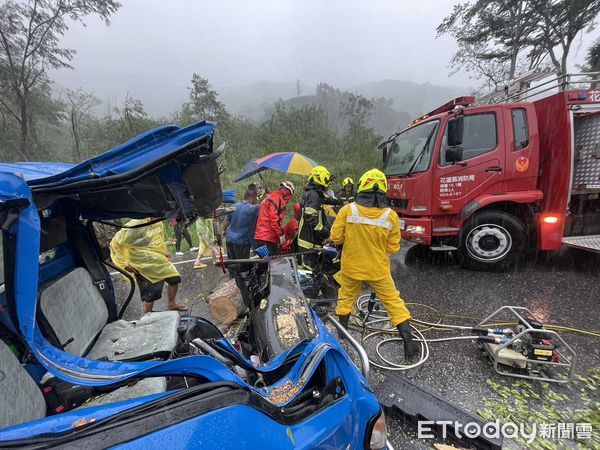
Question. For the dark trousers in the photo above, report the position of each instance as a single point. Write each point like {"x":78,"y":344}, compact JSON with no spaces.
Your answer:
{"x":179,"y":233}
{"x":271,"y":246}
{"x":313,"y":263}
{"x":235,"y":251}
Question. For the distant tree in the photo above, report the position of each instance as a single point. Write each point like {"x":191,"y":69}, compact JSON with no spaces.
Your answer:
{"x":301,"y":129}
{"x":592,"y":59}
{"x":204,"y":104}
{"x":121,"y":123}
{"x":496,"y":38}
{"x":330,"y":99}
{"x":560,"y":21}
{"x":45,"y":113}
{"x":132,"y":118}
{"x":592,"y":63}
{"x":30,"y":32}
{"x":356,"y":111}
{"x":491,"y":36}
{"x":79,"y":104}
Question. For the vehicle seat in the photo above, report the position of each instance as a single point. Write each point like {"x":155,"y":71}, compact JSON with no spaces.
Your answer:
{"x":73,"y":308}
{"x":23,"y":401}
{"x":20,"y":396}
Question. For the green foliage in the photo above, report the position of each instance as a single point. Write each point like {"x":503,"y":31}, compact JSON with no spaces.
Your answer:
{"x":203,"y":105}
{"x":497,"y":39}
{"x":491,"y":35}
{"x":305,"y":129}
{"x":341,"y":107}
{"x":30,"y":33}
{"x":560,"y":21}
{"x":75,"y":133}
{"x":79,"y":104}
{"x":592,"y":63}
{"x":592,"y":59}
{"x":528,"y":403}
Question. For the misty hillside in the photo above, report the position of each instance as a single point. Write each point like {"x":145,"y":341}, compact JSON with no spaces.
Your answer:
{"x":414,"y":98}
{"x":249,"y":100}
{"x":384,"y":120}
{"x":253,"y":100}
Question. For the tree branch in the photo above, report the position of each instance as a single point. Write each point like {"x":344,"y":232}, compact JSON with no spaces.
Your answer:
{"x":29,"y":36}
{"x":50,"y":23}
{"x":6,"y":46}
{"x":9,"y":109}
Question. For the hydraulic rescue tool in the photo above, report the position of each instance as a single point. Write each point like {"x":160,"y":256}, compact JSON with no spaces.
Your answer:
{"x":512,"y":337}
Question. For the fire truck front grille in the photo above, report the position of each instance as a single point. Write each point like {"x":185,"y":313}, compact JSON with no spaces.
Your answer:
{"x":400,"y":203}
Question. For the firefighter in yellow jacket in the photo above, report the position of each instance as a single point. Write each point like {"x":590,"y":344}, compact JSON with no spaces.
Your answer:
{"x":370,"y":232}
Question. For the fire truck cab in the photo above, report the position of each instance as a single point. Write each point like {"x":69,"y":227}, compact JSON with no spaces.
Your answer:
{"x":490,"y":181}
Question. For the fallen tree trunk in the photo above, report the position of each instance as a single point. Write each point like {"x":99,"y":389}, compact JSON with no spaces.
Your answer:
{"x":226,"y":303}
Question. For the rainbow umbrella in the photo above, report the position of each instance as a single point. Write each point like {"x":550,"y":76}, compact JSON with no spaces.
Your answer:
{"x":288,"y":162}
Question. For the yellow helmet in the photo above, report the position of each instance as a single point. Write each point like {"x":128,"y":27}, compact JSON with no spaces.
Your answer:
{"x":347,"y":181}
{"x":372,"y":179}
{"x":320,"y":176}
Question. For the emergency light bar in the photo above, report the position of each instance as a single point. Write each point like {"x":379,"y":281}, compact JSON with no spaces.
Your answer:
{"x":446,"y":107}
{"x":458,"y":101}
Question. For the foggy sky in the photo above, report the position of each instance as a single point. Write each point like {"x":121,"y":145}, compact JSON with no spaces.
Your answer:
{"x":152,"y":47}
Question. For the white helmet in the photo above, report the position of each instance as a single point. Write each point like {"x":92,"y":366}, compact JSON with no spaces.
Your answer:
{"x":288,"y":185}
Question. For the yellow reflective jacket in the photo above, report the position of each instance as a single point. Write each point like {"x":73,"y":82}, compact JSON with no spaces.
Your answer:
{"x":369,"y":236}
{"x":144,"y":249}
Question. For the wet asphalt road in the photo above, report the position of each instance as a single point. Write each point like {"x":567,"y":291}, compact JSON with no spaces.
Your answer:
{"x":563,"y":289}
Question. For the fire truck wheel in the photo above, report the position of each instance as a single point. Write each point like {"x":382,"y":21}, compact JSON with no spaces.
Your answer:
{"x":491,"y":240}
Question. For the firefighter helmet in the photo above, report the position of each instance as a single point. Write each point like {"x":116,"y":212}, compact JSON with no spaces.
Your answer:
{"x":347,"y":181}
{"x":319,"y":176}
{"x":373,"y":179}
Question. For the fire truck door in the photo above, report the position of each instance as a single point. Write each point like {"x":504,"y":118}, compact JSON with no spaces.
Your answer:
{"x":482,"y":167}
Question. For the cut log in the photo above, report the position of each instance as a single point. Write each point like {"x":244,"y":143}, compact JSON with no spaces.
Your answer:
{"x":226,"y":303}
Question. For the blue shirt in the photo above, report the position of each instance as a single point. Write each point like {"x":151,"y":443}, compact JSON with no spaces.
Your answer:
{"x":242,"y":223}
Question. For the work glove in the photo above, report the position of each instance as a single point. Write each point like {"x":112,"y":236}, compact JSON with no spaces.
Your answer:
{"x":407,"y":339}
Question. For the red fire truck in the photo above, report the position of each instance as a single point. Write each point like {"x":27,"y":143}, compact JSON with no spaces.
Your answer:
{"x":490,"y":181}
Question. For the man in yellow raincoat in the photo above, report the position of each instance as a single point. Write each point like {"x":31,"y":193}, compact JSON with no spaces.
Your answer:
{"x":143,"y":251}
{"x":370,"y":232}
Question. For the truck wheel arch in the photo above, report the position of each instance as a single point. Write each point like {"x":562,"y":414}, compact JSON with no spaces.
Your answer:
{"x":519,"y":204}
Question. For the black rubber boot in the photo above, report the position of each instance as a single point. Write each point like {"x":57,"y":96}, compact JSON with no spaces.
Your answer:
{"x":343,"y":320}
{"x":407,"y":338}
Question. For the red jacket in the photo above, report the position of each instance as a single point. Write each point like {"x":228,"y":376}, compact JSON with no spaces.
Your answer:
{"x":291,"y":231}
{"x":270,"y":216}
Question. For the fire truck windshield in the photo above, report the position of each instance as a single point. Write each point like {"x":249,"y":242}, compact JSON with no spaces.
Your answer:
{"x":411,"y":151}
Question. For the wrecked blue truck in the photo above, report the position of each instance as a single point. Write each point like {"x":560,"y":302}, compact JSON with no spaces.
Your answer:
{"x":73,"y":373}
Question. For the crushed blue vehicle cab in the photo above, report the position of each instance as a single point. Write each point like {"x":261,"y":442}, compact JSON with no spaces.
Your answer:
{"x":75,"y":374}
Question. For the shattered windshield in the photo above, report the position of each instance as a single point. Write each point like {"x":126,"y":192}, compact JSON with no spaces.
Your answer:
{"x":411,"y":151}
